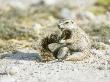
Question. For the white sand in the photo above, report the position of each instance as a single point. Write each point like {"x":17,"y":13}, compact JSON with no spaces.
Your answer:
{"x":26,"y":69}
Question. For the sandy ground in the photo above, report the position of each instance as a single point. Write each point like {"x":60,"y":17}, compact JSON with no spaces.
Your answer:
{"x":23,"y":67}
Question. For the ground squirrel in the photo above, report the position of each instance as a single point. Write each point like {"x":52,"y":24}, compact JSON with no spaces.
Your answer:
{"x":75,"y":43}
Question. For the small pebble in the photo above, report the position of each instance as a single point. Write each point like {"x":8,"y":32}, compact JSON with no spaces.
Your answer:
{"x":11,"y":70}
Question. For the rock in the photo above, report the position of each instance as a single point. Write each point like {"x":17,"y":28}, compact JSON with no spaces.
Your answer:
{"x":66,"y":13}
{"x":109,"y":41}
{"x":37,"y":28}
{"x":50,"y":2}
{"x":101,"y":68}
{"x":18,"y":4}
{"x":23,"y":4}
{"x":101,"y":46}
{"x":11,"y":70}
{"x":86,"y":15}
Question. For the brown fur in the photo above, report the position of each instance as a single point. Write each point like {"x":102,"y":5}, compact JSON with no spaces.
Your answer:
{"x":75,"y":39}
{"x":78,"y":41}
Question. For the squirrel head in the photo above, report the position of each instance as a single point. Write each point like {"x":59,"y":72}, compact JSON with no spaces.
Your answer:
{"x":67,"y":24}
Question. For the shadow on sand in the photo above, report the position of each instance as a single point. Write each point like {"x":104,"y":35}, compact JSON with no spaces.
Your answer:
{"x":24,"y":56}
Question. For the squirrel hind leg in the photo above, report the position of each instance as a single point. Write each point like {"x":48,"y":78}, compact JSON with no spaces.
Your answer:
{"x":78,"y":56}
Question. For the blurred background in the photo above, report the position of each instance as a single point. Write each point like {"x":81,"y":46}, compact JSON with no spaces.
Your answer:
{"x":24,"y":21}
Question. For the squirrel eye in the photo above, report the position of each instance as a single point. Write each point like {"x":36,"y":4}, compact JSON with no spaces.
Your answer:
{"x":66,"y":22}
